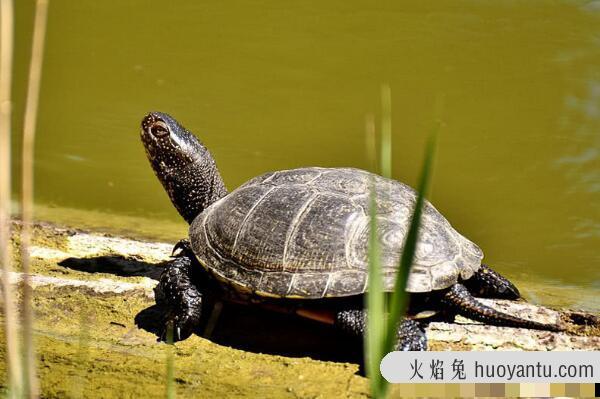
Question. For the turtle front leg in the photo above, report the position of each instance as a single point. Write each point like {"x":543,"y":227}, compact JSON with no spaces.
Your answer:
{"x":410,"y":334}
{"x":179,"y":290}
{"x":488,"y":283}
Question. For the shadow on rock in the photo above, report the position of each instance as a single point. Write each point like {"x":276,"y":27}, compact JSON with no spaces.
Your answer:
{"x":242,"y":327}
{"x":260,"y":331}
{"x":115,"y":264}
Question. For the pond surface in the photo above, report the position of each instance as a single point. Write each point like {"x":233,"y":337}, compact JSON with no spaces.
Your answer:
{"x":271,"y":86}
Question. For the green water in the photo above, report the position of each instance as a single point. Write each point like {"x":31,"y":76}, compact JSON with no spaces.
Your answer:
{"x":274,"y":85}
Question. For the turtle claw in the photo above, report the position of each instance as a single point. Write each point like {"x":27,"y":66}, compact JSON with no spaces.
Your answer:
{"x":176,"y":327}
{"x":164,"y":333}
{"x":182,"y":298}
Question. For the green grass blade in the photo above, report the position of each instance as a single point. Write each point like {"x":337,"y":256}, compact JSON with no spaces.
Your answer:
{"x":82,"y":356}
{"x":375,"y":296}
{"x":399,"y":299}
{"x":170,"y":388}
{"x":381,"y":325}
{"x":386,"y":132}
{"x":375,"y":304}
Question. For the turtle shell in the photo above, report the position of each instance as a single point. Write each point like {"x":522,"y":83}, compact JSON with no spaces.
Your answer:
{"x":303,"y":233}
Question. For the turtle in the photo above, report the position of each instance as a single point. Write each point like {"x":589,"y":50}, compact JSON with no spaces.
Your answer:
{"x":296,"y":241}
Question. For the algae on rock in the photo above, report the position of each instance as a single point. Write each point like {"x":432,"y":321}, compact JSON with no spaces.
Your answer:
{"x":93,"y":292}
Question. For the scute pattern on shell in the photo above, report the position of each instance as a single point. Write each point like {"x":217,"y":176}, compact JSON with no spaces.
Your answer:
{"x":303,"y":233}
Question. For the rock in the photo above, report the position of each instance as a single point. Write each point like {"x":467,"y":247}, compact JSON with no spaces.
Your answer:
{"x":94,"y":310}
{"x":582,"y":331}
{"x":95,"y":316}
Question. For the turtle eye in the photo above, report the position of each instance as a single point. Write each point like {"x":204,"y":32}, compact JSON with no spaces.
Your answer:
{"x":159,"y":129}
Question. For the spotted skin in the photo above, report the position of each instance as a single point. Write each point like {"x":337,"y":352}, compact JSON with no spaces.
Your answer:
{"x":487,"y":283}
{"x":180,"y":289}
{"x":410,"y":334}
{"x":459,"y":299}
{"x":301,"y":236}
{"x":182,"y":163}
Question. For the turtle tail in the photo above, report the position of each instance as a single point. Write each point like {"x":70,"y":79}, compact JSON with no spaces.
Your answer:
{"x":460,"y":300}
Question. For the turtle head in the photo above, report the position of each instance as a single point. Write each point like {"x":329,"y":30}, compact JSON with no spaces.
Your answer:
{"x":182,"y":163}
{"x":167,"y":143}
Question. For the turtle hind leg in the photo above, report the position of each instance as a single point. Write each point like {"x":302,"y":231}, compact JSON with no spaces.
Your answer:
{"x":459,"y":300}
{"x":488,"y":283}
{"x":410,"y":334}
{"x":178,"y":289}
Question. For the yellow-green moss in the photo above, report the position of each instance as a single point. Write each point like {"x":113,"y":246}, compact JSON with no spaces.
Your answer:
{"x":88,"y":344}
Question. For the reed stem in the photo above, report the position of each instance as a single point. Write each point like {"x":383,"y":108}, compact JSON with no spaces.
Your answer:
{"x":10,"y":321}
{"x":30,"y":383}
